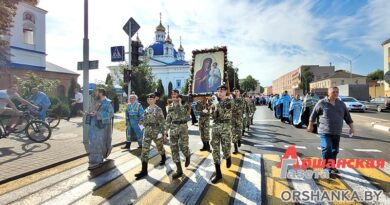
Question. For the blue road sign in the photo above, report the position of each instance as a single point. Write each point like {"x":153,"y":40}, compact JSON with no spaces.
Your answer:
{"x":117,"y":53}
{"x":134,"y":27}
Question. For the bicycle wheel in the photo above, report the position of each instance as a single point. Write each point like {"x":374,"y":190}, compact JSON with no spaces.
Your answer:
{"x":53,"y":120}
{"x":38,"y":131}
{"x":21,"y":125}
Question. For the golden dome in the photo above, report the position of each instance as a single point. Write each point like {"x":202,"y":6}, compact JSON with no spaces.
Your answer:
{"x":160,"y":27}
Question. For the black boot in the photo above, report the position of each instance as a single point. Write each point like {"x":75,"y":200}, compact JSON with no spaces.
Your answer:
{"x":208,"y":146}
{"x":235,"y":149}
{"x":239,"y":143}
{"x":187,"y":160}
{"x":143,"y":173}
{"x":163,"y":159}
{"x":218,"y":174}
{"x":127,"y":145}
{"x":179,"y":171}
{"x":243,"y":132}
{"x":228,"y":162}
{"x":204,"y":146}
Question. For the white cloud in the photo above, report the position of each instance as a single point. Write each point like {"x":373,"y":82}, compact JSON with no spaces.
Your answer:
{"x":264,"y":39}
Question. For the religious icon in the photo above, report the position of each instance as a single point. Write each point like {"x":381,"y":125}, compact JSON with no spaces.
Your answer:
{"x":208,"y":71}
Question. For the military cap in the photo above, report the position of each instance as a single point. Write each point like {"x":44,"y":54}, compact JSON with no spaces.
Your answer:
{"x":176,"y":91}
{"x":151,"y":95}
{"x":223,"y":86}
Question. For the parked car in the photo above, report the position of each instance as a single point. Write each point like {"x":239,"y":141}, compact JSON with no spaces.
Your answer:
{"x":353,"y":104}
{"x":379,"y":104}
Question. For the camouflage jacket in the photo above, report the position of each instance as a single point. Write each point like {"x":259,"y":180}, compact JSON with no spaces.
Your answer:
{"x":154,"y":118}
{"x":222,"y":112}
{"x":238,"y":108}
{"x":176,"y":113}
{"x":200,"y":106}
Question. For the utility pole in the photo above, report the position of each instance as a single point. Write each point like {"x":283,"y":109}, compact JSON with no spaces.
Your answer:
{"x":85,"y":73}
{"x":129,"y":66}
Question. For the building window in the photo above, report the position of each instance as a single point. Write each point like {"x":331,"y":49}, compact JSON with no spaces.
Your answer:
{"x":27,"y":16}
{"x":342,"y":82}
{"x":178,"y":83}
{"x":28,"y":35}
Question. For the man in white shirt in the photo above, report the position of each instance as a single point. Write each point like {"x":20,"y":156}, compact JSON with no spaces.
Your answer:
{"x":77,"y":105}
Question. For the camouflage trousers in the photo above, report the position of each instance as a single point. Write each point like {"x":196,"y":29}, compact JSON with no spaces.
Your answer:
{"x":244,"y":122}
{"x":237,"y":127}
{"x":221,"y":137}
{"x":179,"y":141}
{"x":204,"y":128}
{"x":151,"y":134}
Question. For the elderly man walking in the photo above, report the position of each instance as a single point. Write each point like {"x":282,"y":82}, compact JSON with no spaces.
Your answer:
{"x":331,"y":112}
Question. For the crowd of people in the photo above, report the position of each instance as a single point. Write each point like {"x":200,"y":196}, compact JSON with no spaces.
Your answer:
{"x":323,"y":116}
{"x":223,"y":120}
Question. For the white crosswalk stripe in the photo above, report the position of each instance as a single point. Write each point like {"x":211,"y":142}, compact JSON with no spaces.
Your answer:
{"x":249,"y":184}
{"x":194,"y":187}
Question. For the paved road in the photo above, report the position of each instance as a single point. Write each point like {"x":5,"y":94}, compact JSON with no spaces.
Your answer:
{"x":253,"y":178}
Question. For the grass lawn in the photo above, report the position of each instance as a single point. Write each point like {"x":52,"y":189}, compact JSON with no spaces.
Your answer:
{"x":121,"y":126}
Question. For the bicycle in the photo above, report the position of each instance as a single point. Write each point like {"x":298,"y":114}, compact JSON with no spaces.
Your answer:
{"x":53,"y":120}
{"x":36,"y":130}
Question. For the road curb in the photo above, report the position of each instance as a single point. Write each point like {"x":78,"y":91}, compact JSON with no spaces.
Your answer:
{"x":49,"y":166}
{"x":380,"y":127}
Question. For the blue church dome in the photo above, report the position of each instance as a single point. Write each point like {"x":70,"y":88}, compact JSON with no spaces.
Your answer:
{"x":158,"y":48}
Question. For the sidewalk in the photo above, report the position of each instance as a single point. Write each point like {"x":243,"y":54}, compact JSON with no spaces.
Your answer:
{"x":381,"y":125}
{"x":19,"y":156}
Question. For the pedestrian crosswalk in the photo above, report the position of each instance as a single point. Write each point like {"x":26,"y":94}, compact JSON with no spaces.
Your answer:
{"x":252,"y":179}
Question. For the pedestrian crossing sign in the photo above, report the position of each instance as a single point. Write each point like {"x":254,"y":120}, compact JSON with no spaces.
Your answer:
{"x":117,"y":53}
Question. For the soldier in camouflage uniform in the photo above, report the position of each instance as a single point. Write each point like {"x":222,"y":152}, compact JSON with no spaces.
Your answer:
{"x":237,"y":119}
{"x":177,"y":124}
{"x":204,"y":123}
{"x":253,"y":105}
{"x":246,"y":114}
{"x":154,"y":129}
{"x":222,"y":131}
{"x":249,"y":111}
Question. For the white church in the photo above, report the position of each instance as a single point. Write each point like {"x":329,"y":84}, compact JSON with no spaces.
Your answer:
{"x":167,"y":63}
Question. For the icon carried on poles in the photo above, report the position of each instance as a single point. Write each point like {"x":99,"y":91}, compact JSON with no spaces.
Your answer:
{"x":117,"y":53}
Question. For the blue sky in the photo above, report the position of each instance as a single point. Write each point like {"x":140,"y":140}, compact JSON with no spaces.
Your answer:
{"x":265,"y":38}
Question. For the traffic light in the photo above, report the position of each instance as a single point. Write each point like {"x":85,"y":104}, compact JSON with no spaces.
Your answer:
{"x":126,"y":76}
{"x":135,"y":45}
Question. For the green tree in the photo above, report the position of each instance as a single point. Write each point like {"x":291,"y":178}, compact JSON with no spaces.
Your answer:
{"x":376,"y":75}
{"x":26,"y":84}
{"x":261,"y":89}
{"x":72,"y":86}
{"x":109,"y":81}
{"x":184,"y":89}
{"x":160,"y":87}
{"x":142,"y":81}
{"x":306,"y":78}
{"x":232,"y":76}
{"x":248,"y":84}
{"x":170,"y":88}
{"x":7,"y":12}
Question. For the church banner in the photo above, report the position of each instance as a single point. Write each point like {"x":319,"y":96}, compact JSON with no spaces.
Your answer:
{"x":208,"y":70}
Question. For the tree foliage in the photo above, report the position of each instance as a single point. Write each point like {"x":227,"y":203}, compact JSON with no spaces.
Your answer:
{"x":170,"y":88}
{"x":376,"y":75}
{"x":72,"y":86}
{"x":32,"y":80}
{"x":262,"y":89}
{"x":185,"y":88}
{"x":160,"y":87}
{"x":233,"y":76}
{"x":248,"y":84}
{"x":142,"y":80}
{"x":7,"y":12}
{"x":109,"y":81}
{"x":306,"y":78}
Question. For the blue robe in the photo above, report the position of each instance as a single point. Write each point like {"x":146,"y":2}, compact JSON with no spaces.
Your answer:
{"x":134,"y":114}
{"x":284,"y":103}
{"x":295,"y":109}
{"x":275,"y":105}
{"x":100,"y":138}
{"x":40,"y":99}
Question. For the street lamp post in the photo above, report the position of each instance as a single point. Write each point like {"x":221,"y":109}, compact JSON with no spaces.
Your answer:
{"x":85,"y":73}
